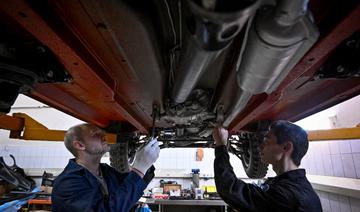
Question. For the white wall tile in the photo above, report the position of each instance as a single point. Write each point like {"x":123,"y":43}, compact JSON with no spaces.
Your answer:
{"x":334,"y":147}
{"x":344,"y":147}
{"x":304,"y":162}
{"x":35,"y":162}
{"x":311,"y":149}
{"x":32,"y":151}
{"x":348,"y":165}
{"x":355,"y":146}
{"x":325,"y":148}
{"x":317,"y":146}
{"x":312,"y":165}
{"x":319,"y":163}
{"x":48,"y":151}
{"x":356,"y":158}
{"x":6,"y":150}
{"x":355,"y":204}
{"x":311,"y":160}
{"x":43,"y":161}
{"x":27,"y":151}
{"x":328,"y":166}
{"x":58,"y":152}
{"x":344,"y":204}
{"x":64,"y":161}
{"x":15,"y":152}
{"x":337,"y":165}
{"x":27,"y":163}
{"x":325,"y":202}
{"x":334,"y":202}
{"x":20,"y":161}
{"x":22,"y":152}
{"x":46,"y":162}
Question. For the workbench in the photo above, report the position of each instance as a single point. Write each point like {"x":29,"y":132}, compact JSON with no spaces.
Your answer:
{"x":187,"y":205}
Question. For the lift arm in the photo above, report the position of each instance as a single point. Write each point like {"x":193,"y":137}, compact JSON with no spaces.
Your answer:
{"x":335,"y":134}
{"x":22,"y":126}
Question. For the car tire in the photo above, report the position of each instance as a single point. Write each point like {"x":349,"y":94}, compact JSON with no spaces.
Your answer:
{"x":251,"y":158}
{"x":119,"y":158}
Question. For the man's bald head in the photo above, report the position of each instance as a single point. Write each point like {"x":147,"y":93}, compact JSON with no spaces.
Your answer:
{"x":74,"y":133}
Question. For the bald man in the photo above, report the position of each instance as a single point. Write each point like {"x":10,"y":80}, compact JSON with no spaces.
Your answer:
{"x":88,"y":185}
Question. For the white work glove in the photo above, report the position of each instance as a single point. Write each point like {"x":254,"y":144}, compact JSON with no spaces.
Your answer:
{"x":146,"y":156}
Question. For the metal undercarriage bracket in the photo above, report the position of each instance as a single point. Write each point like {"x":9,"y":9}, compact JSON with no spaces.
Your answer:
{"x":22,"y":66}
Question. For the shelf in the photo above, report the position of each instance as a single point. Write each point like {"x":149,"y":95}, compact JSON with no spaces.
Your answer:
{"x":338,"y":185}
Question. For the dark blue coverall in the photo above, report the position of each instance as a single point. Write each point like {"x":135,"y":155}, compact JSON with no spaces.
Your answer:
{"x":77,"y":189}
{"x":290,"y":191}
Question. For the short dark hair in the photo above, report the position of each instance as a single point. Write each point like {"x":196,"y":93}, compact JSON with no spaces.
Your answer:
{"x":288,"y":132}
{"x":72,"y":134}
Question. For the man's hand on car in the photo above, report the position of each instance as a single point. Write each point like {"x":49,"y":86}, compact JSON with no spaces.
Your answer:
{"x":146,"y":156}
{"x":220,"y":136}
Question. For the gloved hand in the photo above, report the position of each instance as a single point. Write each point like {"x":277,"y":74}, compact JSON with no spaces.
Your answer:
{"x":146,"y":156}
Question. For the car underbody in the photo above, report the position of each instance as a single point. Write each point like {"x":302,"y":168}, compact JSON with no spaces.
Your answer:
{"x":176,"y":69}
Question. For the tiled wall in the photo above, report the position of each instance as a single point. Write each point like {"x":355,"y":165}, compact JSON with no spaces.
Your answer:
{"x":338,"y":158}
{"x":333,"y":158}
{"x":36,"y":154}
{"x":54,"y":155}
{"x":338,"y":203}
{"x":330,"y":158}
{"x":185,"y":158}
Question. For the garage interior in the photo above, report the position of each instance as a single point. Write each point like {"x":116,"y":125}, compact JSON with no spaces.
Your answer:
{"x":332,"y":165}
{"x":175,"y":70}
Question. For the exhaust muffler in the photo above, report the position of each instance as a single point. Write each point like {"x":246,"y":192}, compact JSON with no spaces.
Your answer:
{"x":278,"y":38}
{"x":214,"y":25}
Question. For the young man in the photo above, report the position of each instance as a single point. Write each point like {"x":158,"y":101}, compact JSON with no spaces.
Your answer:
{"x":284,"y":146}
{"x":87,"y":185}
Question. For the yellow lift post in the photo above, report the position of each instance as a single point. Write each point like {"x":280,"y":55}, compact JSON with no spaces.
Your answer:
{"x":22,"y":126}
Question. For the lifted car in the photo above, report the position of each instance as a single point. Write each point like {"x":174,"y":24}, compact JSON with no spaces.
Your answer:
{"x":177,"y":68}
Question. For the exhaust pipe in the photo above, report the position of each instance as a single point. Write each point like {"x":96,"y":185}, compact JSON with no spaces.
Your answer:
{"x":215,"y":24}
{"x":242,"y":99}
{"x":278,"y":38}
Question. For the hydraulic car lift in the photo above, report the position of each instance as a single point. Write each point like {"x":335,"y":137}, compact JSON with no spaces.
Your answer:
{"x":22,"y":126}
